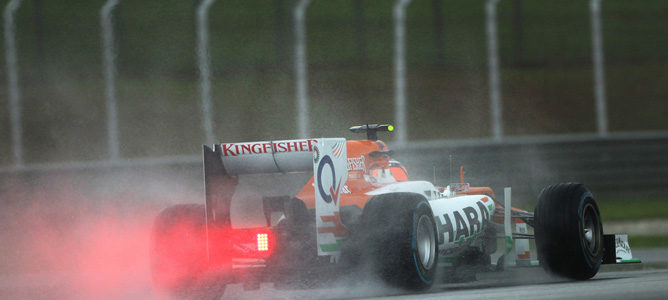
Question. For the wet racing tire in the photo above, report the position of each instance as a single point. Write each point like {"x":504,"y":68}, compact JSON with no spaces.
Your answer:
{"x":568,"y":230}
{"x":178,"y":258}
{"x":399,"y":236}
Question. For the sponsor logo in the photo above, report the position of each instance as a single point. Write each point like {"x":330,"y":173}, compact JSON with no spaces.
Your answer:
{"x":356,"y":164}
{"x":461,"y":225}
{"x":268,"y":147}
{"x":621,"y":247}
{"x":333,"y":194}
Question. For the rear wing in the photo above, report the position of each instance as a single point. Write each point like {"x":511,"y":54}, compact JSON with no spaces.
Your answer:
{"x":325,"y":157}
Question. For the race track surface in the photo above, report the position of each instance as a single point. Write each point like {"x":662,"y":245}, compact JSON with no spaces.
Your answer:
{"x":519,"y":284}
{"x":610,"y":285}
{"x":645,"y":281}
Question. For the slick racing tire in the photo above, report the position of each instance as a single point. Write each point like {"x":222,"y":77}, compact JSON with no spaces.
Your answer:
{"x":399,"y":234}
{"x":178,"y":254}
{"x":568,"y":230}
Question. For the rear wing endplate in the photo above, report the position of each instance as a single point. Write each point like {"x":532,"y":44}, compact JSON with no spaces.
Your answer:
{"x":329,"y":176}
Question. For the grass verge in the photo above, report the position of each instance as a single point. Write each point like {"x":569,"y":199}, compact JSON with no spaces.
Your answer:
{"x":626,"y":209}
{"x":648,"y":241}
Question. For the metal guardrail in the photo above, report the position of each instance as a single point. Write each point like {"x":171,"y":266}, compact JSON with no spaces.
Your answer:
{"x":76,"y":166}
{"x":622,"y":163}
{"x":633,"y":162}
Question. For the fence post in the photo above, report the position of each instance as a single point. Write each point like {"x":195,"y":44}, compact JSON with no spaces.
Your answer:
{"x":109,"y":56}
{"x":204,"y":60}
{"x":496,"y":109}
{"x":437,"y":14}
{"x":399,"y":14}
{"x":599,"y":64}
{"x":299,"y":14}
{"x":360,"y":32}
{"x":13,"y":83}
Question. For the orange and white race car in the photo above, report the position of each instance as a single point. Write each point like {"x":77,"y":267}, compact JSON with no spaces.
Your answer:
{"x":360,"y":212}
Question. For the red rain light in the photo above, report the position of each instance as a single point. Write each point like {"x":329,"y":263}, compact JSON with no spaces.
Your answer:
{"x":242,"y":243}
{"x":262,"y":242}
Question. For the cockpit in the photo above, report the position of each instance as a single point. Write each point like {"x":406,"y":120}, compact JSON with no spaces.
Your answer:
{"x":395,"y":172}
{"x":376,"y":165}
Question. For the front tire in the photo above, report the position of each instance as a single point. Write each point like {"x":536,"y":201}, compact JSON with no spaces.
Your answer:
{"x":399,"y":234}
{"x":568,"y":230}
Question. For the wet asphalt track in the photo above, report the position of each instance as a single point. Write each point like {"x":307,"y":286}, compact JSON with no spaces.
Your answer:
{"x":645,"y":281}
{"x":609,"y":285}
{"x":648,"y":280}
{"x":520,"y":284}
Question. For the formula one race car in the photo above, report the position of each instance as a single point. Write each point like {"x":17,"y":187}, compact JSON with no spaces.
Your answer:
{"x":359,"y":211}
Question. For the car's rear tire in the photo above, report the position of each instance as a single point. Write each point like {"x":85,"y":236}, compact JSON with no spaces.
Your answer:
{"x":568,"y":230}
{"x":399,"y":236}
{"x":296,"y":263}
{"x":178,"y":254}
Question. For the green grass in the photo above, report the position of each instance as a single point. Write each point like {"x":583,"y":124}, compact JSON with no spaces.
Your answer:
{"x":648,"y":241}
{"x":630,"y":209}
{"x":626,"y":209}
